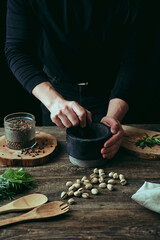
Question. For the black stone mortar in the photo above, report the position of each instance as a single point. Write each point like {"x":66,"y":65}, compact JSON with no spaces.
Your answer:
{"x":84,"y":144}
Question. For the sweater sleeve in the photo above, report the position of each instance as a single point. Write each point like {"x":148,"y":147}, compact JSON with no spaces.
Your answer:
{"x":20,"y":47}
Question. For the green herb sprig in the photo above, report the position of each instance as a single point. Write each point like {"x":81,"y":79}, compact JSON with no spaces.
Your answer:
{"x":148,"y":141}
{"x":13,"y":182}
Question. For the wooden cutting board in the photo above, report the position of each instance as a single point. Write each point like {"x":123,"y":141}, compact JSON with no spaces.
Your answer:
{"x":46,"y":145}
{"x":132,"y":134}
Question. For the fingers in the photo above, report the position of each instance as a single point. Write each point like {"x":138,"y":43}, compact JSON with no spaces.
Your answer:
{"x":69,"y":118}
{"x":82,"y":114}
{"x":57,"y":121}
{"x":89,"y":116}
{"x":65,"y":118}
{"x":116,"y":137}
{"x":69,"y":114}
{"x":112,"y":145}
{"x":109,"y":152}
{"x":112,"y":123}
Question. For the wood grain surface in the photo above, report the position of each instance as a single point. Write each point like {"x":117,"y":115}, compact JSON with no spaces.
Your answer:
{"x":107,"y":216}
{"x":45,"y":146}
{"x":132,"y":135}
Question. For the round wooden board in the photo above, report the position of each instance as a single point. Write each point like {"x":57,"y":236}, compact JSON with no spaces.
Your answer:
{"x":39,"y":154}
{"x":132,"y":135}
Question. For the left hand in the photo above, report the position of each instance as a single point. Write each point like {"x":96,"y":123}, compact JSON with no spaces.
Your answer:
{"x":112,"y":145}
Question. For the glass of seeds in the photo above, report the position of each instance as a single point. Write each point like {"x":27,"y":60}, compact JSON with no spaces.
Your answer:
{"x":19,"y":130}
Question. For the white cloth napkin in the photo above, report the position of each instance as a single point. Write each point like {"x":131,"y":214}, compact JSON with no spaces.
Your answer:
{"x":148,"y":196}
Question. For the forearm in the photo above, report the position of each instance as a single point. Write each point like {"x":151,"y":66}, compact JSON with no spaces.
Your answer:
{"x":117,"y":109}
{"x":63,"y":113}
{"x":46,"y":93}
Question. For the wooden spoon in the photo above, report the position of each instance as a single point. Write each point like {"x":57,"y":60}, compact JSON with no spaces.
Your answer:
{"x":45,"y":211}
{"x":24,"y":203}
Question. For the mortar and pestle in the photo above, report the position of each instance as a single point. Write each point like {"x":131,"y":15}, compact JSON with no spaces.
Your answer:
{"x":84,"y":144}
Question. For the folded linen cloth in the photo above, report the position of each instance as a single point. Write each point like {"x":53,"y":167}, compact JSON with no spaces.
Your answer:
{"x":148,"y":196}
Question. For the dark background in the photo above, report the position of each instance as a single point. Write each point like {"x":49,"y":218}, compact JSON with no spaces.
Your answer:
{"x":145,"y":107}
{"x":13,"y":97}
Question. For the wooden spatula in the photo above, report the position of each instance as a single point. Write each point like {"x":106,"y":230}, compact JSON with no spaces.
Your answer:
{"x":45,"y":211}
{"x":24,"y":203}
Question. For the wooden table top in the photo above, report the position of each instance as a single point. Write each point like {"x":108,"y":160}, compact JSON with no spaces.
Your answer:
{"x":109,"y":215}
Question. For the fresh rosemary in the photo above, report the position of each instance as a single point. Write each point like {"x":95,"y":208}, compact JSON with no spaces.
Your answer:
{"x":148,"y":141}
{"x":13,"y":182}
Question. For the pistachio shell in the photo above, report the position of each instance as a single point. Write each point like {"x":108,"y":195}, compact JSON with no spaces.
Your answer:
{"x":88,"y":186}
{"x":94,"y":180}
{"x":77,"y":194}
{"x":96,"y":170}
{"x":115,"y":176}
{"x":69,"y":183}
{"x":71,"y":201}
{"x":70,"y":193}
{"x":111,"y":181}
{"x":110,"y":187}
{"x":121,"y":176}
{"x":123,"y":182}
{"x":94,"y":191}
{"x":64,"y":195}
{"x":111,"y":174}
{"x":102,"y":185}
{"x":85,"y":195}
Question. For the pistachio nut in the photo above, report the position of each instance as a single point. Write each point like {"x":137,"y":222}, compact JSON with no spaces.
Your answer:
{"x":94,"y":180}
{"x":102,"y":175}
{"x":71,"y":201}
{"x":93,"y":175}
{"x":69,"y":183}
{"x":110,"y":187}
{"x":83,"y":178}
{"x":72,"y":188}
{"x":64,"y":195}
{"x":111,"y":181}
{"x":101,"y":179}
{"x":86,"y":181}
{"x":115,"y":176}
{"x":88,"y":186}
{"x":121,"y":176}
{"x":102,"y":185}
{"x":77,"y":194}
{"x":85,"y":195}
{"x":101,"y":171}
{"x":81,"y":190}
{"x":96,"y":170}
{"x":70,"y":193}
{"x":94,"y":191}
{"x":111,"y":174}
{"x":123,"y":182}
{"x":78,"y":181}
{"x":77,"y":185}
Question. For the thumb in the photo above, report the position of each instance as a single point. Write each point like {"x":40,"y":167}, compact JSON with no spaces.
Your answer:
{"x":112,"y":123}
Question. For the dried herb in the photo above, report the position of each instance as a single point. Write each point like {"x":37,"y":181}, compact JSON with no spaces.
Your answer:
{"x":13,"y":182}
{"x":148,"y":141}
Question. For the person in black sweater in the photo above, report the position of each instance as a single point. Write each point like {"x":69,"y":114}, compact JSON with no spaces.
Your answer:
{"x":78,"y":57}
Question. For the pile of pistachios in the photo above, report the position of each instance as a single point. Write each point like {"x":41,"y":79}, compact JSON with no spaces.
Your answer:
{"x":98,"y":177}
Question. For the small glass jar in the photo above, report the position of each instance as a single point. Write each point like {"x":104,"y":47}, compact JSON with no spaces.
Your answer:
{"x":20,"y":130}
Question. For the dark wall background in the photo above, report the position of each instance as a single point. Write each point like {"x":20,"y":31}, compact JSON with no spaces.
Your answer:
{"x":145,"y":103}
{"x":13,"y":97}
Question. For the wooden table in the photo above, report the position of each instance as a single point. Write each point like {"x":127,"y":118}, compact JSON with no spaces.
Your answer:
{"x":109,"y":215}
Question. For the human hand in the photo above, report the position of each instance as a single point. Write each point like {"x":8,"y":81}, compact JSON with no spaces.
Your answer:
{"x":69,"y":113}
{"x":112,"y":145}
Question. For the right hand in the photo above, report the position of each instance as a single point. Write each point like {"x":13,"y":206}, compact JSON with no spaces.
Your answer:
{"x":69,"y":114}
